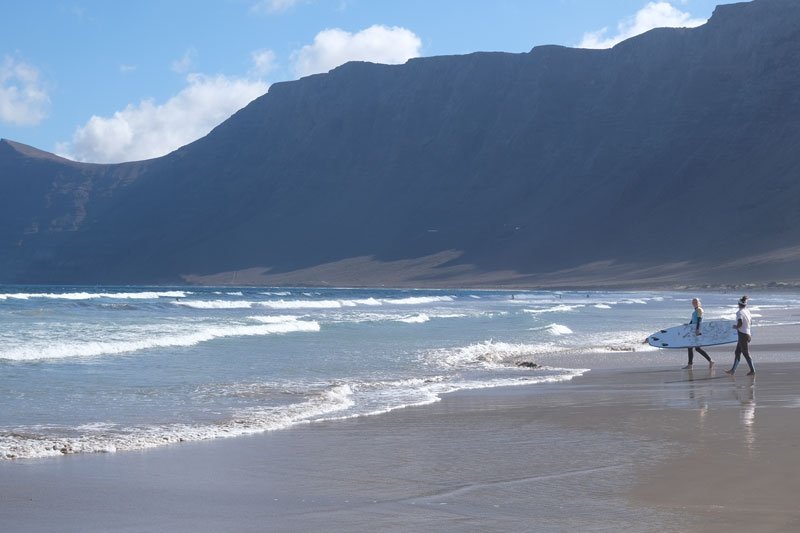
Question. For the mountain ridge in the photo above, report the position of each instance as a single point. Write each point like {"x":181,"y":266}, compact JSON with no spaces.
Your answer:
{"x":667,"y":159}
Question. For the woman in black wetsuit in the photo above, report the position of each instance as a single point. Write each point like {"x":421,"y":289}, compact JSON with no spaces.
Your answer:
{"x":697,"y":317}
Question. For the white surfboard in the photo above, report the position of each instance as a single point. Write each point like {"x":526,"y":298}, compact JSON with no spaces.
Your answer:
{"x":713,"y":332}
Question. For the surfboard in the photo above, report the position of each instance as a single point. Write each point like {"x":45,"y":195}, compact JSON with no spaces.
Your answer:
{"x":713,"y":332}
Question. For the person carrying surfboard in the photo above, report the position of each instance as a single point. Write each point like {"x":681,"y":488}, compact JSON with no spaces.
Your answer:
{"x":742,"y":326}
{"x":697,"y":317}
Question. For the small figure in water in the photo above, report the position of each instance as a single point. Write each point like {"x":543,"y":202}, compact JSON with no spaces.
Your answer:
{"x":697,"y":318}
{"x":743,"y":332}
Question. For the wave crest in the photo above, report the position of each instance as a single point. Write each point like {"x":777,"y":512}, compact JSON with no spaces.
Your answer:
{"x":35,"y":352}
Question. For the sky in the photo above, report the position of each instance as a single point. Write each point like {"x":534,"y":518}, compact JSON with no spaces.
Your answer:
{"x":108,"y":81}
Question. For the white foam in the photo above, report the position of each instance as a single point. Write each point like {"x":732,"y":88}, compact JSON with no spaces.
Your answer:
{"x":277,"y":319}
{"x":762,"y":324}
{"x":555,"y":309}
{"x":190,"y":337}
{"x":146,"y":295}
{"x":565,"y":374}
{"x":216,"y":304}
{"x":732,"y":316}
{"x":769,"y":307}
{"x":417,"y":300}
{"x":368,"y":301}
{"x":358,"y":317}
{"x":431,"y":390}
{"x":602,"y":306}
{"x":377,"y":398}
{"x":621,"y":341}
{"x":488,"y":354}
{"x":415,"y":319}
{"x":306,"y":304}
{"x":554,"y":329}
{"x":270,"y":304}
{"x":310,"y":303}
{"x":458,"y":315}
{"x":244,"y":422}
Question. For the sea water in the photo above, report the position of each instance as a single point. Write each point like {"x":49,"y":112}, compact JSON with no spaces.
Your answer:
{"x":105,"y":369}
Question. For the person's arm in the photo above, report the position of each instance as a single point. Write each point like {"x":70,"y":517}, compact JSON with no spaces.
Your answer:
{"x":697,"y":328}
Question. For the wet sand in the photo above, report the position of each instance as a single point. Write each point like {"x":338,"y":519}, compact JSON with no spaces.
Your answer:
{"x":655,"y":449}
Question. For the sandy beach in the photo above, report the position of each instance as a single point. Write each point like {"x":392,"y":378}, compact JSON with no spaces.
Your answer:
{"x":654,"y":449}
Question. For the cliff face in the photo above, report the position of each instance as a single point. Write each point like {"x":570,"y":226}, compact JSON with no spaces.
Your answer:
{"x":669,"y":158}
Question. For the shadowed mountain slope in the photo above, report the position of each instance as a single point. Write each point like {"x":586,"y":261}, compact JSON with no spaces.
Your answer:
{"x":671,"y":158}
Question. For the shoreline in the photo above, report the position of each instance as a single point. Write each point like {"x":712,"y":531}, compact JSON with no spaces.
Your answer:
{"x":778,"y":286}
{"x":647,"y":449}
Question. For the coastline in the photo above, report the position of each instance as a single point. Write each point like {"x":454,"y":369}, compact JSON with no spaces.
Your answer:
{"x":653,"y":449}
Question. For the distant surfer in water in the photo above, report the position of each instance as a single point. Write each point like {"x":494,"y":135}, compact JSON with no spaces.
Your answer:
{"x":743,"y":344}
{"x":697,"y":317}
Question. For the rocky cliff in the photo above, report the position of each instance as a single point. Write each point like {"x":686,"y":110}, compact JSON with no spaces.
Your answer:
{"x":671,"y":158}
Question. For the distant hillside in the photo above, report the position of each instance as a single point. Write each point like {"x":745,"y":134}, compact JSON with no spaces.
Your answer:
{"x":670,"y":159}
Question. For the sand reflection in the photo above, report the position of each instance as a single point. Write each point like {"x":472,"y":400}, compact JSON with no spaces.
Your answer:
{"x":745,"y":392}
{"x":700,"y":392}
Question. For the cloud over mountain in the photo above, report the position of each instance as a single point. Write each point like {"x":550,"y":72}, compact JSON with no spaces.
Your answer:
{"x":24,"y":101}
{"x":653,"y":15}
{"x":557,"y":167}
{"x":376,"y":44}
{"x":149,"y":129}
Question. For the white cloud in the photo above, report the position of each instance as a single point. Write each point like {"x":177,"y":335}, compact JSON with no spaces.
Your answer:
{"x":333,"y":47}
{"x":273,"y":6}
{"x":124,"y":69}
{"x":184,"y":64}
{"x":23,"y":99}
{"x":150,"y":130}
{"x":653,"y":15}
{"x":263,"y":62}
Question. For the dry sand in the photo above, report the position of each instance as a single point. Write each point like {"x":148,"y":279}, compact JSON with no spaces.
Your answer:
{"x":656,"y":449}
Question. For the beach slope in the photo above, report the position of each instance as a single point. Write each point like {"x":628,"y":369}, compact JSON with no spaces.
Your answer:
{"x":641,"y":450}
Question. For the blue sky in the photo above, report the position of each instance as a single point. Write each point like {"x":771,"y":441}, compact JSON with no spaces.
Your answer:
{"x":110,"y":81}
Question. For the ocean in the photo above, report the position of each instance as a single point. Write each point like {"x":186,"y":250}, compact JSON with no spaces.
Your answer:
{"x":109,"y":369}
